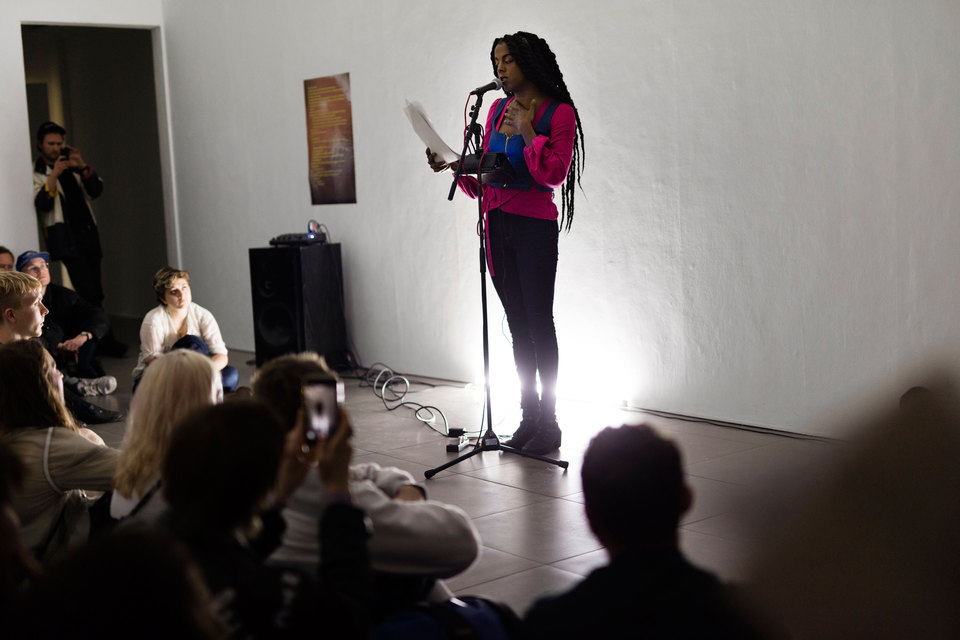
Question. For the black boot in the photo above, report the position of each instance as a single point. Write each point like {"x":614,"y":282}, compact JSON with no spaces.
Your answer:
{"x":530,"y":409}
{"x":547,"y":438}
{"x":526,"y":431}
{"x":87,"y":412}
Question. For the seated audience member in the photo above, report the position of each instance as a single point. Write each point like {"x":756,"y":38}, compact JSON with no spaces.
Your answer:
{"x":224,"y":464}
{"x":146,"y":581}
{"x":22,"y":316}
{"x":70,"y":315}
{"x":17,"y":564}
{"x":6,"y":259}
{"x":180,"y":323}
{"x":21,"y":307}
{"x":634,"y":495}
{"x":414,"y":541}
{"x":177,"y":383}
{"x":62,"y":460}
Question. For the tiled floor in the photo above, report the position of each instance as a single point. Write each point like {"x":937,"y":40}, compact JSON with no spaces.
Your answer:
{"x":530,"y":513}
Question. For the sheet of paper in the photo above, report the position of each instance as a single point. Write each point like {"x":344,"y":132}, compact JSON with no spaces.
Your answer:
{"x":426,"y":132}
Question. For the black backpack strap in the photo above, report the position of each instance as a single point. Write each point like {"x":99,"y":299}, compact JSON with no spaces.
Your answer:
{"x":145,"y":499}
{"x":454,"y":624}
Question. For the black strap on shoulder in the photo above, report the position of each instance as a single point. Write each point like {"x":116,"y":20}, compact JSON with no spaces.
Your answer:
{"x":145,"y":499}
{"x":453,"y":624}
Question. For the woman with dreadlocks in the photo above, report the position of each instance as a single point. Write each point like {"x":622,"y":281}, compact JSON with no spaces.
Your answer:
{"x":538,"y":127}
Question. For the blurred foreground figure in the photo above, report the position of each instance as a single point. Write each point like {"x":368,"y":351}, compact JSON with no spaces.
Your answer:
{"x":635,"y":494}
{"x":873,"y":551}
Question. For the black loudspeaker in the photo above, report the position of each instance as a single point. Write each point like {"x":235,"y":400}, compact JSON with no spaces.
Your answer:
{"x":298,"y":302}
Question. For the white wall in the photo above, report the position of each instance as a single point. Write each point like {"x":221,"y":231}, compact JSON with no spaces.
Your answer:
{"x":18,"y":228}
{"x":769,"y":223}
{"x":769,"y":218}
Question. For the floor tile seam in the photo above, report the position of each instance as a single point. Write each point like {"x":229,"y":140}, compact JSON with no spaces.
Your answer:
{"x":539,"y":562}
{"x":585,"y":553}
{"x":540,"y":566}
{"x":509,"y":509}
{"x":461,"y":588}
{"x":684,"y":523}
{"x":689,"y":474}
{"x":739,"y":540}
{"x":546,"y":496}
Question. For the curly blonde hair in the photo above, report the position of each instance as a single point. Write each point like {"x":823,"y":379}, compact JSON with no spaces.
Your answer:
{"x":173,"y":386}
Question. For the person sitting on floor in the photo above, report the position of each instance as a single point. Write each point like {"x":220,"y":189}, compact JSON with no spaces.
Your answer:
{"x":152,"y":588}
{"x":62,"y":460}
{"x":6,"y":259}
{"x":180,"y":323}
{"x":224,"y":465}
{"x":191,"y":379}
{"x":22,"y":316}
{"x":18,"y":567}
{"x":634,"y":495}
{"x":414,"y":541}
{"x":70,"y":315}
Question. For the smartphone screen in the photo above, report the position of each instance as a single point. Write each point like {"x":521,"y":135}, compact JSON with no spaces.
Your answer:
{"x":320,"y":399}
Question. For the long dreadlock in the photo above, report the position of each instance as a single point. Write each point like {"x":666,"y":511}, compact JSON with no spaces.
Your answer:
{"x":539,"y":65}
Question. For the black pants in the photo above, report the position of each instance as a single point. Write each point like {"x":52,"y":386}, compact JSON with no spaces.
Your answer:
{"x":523,"y":255}
{"x":84,"y":268}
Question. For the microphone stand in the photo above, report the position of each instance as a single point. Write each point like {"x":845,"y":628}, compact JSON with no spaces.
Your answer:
{"x":489,"y":440}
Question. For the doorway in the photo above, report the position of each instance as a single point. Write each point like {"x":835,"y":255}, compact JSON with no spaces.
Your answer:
{"x":98,"y":83}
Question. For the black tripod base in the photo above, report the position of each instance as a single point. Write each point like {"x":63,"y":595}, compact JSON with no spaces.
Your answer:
{"x":490,"y":442}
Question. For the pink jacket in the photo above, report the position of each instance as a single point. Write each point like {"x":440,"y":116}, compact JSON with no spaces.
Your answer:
{"x":548,"y":159}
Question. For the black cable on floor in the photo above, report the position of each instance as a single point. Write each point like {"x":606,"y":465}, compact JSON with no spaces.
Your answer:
{"x":393,"y":387}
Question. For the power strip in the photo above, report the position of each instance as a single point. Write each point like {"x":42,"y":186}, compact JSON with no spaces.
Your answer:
{"x":456,"y":440}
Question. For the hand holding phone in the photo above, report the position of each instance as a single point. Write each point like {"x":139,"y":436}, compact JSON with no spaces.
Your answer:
{"x":321,"y":399}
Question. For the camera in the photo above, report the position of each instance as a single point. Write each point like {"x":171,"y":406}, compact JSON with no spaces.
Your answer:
{"x":322,"y":396}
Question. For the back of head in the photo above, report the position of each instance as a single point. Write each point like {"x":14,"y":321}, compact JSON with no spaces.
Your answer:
{"x":27,"y":398}
{"x":173,"y":386}
{"x":14,"y":287}
{"x":279,"y":382}
{"x":222,"y":462}
{"x":633,"y":486}
{"x":152,"y":587}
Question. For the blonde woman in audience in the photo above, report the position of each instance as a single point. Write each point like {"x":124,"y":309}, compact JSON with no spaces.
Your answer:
{"x":177,"y":383}
{"x":62,"y":461}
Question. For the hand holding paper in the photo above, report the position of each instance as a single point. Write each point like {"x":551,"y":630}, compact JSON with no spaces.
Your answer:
{"x":429,"y":136}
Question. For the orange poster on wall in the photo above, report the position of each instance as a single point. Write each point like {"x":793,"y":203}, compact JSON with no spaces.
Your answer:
{"x":330,"y":139}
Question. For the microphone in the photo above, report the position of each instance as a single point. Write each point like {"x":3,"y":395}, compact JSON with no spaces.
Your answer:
{"x":479,"y":91}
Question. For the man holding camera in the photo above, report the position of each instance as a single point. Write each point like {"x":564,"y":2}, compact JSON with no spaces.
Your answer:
{"x":64,"y":185}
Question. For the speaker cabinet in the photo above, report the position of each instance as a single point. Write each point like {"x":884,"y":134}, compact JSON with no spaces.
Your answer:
{"x":298,"y":302}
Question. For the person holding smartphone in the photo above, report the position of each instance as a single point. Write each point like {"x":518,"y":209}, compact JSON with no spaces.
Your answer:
{"x":64,"y":187}
{"x":415,"y":542}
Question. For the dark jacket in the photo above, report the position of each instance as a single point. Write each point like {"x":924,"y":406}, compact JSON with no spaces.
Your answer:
{"x":640,"y":594}
{"x":69,"y":315}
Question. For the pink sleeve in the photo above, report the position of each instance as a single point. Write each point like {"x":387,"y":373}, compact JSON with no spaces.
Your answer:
{"x":548,"y":158}
{"x":468,"y":184}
